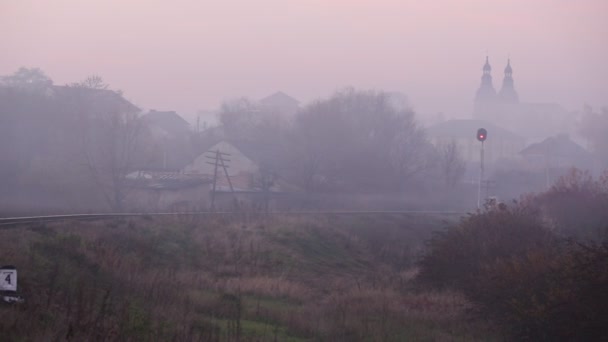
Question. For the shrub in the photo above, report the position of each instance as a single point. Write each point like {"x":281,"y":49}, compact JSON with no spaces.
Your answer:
{"x":455,"y":257}
{"x":549,"y":294}
{"x":515,"y":269}
{"x":577,"y":205}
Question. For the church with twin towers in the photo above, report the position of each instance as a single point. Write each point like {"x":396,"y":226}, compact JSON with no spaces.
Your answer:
{"x":487,"y":95}
{"x":504,"y":108}
{"x":512,"y":124}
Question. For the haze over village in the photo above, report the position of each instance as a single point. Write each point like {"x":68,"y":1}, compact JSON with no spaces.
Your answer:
{"x":304,"y":170}
{"x":189,"y":55}
{"x":185,"y":67}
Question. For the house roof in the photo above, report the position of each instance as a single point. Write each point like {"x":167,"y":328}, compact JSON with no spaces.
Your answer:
{"x":168,"y":121}
{"x":112,"y":97}
{"x":279,"y":99}
{"x":261,"y":154}
{"x":558,"y":146}
{"x":467,"y":128}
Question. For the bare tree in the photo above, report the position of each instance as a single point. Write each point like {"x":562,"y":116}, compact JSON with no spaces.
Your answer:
{"x":237,"y":113}
{"x":451,"y":163}
{"x":92,"y":82}
{"x":109,"y":132}
{"x":265,"y":179}
{"x":110,"y":149}
{"x":358,"y":140}
{"x":410,"y":152}
{"x":243,"y":119}
{"x":305,"y":162}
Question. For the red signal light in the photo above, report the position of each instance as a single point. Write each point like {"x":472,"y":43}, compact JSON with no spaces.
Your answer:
{"x":482,"y":134}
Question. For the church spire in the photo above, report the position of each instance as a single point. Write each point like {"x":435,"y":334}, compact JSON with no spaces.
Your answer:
{"x":486,"y":91}
{"x":507,"y":92}
{"x":487,"y":69}
{"x":508,"y":69}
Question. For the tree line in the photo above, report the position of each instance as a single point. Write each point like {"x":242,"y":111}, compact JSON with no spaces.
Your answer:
{"x":72,"y":146}
{"x":352,"y":141}
{"x":66,"y":146}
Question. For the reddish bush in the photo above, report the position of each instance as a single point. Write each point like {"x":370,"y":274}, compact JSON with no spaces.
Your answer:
{"x":577,"y":205}
{"x":536,"y":284}
{"x":549,"y":294}
{"x":459,"y":254}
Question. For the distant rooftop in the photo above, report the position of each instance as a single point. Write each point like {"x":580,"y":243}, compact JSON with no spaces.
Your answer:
{"x":169,"y":121}
{"x":112,"y":96}
{"x":279,"y":99}
{"x":559,"y":146}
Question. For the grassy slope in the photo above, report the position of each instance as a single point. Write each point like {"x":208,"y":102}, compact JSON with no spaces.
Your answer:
{"x":283,"y":278}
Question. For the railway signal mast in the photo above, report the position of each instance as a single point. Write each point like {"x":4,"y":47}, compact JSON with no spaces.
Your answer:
{"x":482,"y":135}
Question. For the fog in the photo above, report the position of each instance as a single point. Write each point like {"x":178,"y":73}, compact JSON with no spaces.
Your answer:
{"x":190,"y":55}
{"x":387,"y":170}
{"x":337,"y":105}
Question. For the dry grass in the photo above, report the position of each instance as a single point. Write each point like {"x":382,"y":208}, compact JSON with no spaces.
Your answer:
{"x":210,"y":279}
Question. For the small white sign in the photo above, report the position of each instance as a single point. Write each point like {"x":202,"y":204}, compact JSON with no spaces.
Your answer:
{"x":8,"y":279}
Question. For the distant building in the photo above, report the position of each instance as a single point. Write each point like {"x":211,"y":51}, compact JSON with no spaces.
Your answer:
{"x":166,"y":123}
{"x":243,"y":162}
{"x":503,"y":108}
{"x":239,"y":166}
{"x":108,"y":100}
{"x":192,"y":187}
{"x":511,"y":124}
{"x":280,"y":102}
{"x":557,"y":152}
{"x":169,"y":140}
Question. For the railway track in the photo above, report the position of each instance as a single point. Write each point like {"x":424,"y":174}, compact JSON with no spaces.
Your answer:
{"x":6,"y":222}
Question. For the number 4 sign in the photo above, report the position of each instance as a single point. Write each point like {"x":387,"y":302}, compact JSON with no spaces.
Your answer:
{"x":8,"y":278}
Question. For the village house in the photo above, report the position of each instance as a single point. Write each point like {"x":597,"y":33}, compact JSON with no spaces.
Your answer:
{"x":169,"y":140}
{"x":281,"y":103}
{"x":554,"y":156}
{"x":223,"y":174}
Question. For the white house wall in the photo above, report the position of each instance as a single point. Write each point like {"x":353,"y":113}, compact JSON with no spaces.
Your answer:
{"x":238,"y":163}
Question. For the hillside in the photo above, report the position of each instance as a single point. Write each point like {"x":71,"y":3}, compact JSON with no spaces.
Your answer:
{"x":289,"y":278}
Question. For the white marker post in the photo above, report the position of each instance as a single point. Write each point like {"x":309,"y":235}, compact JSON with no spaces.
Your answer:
{"x":8,"y":284}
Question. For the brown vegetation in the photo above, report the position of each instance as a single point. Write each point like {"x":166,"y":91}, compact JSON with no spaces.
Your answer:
{"x":332,"y":278}
{"x":539,"y":268}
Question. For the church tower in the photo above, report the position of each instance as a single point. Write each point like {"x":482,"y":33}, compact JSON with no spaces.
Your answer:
{"x":485,"y":98}
{"x":507,"y":92}
{"x":486,"y":92}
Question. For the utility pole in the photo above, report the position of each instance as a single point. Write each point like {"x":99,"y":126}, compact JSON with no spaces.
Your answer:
{"x":482,"y":135}
{"x":226,"y":171}
{"x":487,"y":185}
{"x":218,"y":160}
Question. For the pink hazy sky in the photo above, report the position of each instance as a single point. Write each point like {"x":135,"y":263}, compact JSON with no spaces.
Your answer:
{"x":189,"y":55}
